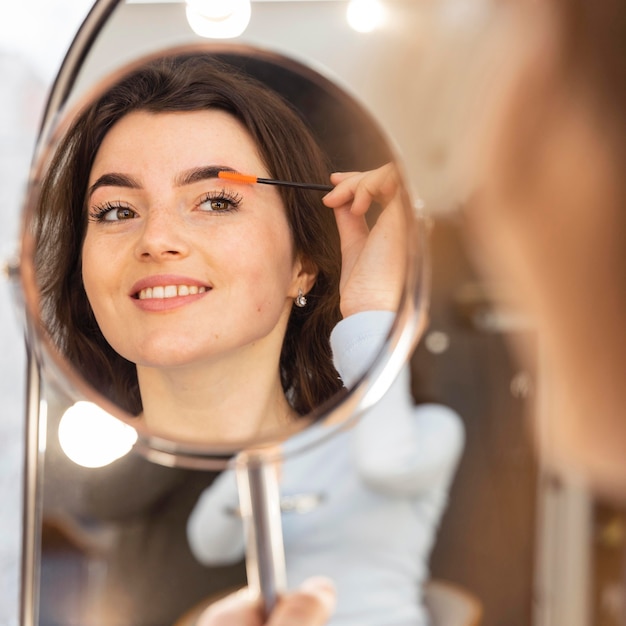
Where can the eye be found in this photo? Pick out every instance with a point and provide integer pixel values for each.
(219, 201)
(112, 212)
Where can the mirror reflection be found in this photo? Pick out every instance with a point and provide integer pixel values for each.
(216, 295)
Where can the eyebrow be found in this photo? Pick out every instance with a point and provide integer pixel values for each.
(198, 174)
(114, 179)
(188, 177)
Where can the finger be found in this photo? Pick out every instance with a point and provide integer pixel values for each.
(353, 230)
(241, 608)
(338, 177)
(311, 605)
(361, 188)
(344, 190)
(364, 195)
(380, 184)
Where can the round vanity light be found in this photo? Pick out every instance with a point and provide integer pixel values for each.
(364, 16)
(218, 19)
(90, 437)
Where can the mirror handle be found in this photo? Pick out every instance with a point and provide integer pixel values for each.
(259, 501)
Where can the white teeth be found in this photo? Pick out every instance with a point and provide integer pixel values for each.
(169, 291)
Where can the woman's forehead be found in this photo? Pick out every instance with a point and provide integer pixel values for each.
(176, 141)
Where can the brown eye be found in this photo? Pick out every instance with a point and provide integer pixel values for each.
(217, 204)
(112, 213)
(122, 213)
(221, 202)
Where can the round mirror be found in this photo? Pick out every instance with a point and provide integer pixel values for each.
(345, 130)
(265, 369)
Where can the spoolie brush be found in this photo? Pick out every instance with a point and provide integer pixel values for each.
(247, 178)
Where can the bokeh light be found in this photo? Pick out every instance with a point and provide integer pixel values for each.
(91, 437)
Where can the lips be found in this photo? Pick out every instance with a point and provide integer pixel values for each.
(167, 287)
(169, 291)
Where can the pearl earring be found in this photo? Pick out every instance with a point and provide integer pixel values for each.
(300, 299)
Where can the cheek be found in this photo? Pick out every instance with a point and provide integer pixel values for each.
(87, 272)
(96, 267)
(266, 258)
(266, 252)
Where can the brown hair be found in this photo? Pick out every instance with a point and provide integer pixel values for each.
(189, 82)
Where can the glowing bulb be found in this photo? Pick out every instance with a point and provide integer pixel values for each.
(91, 437)
(364, 16)
(218, 19)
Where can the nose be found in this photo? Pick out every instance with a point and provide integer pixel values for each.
(162, 236)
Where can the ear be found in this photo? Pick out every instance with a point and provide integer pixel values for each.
(304, 276)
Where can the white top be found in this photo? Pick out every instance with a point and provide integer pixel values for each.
(381, 488)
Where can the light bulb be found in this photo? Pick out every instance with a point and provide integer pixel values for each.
(92, 437)
(364, 16)
(218, 19)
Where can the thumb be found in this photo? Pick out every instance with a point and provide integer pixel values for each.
(311, 604)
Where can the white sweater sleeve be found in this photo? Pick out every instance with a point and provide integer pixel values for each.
(214, 528)
(400, 449)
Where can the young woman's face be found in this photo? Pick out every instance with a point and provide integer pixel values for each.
(180, 266)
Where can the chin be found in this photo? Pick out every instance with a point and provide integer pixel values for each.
(164, 352)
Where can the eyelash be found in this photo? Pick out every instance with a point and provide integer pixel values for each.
(99, 212)
(231, 198)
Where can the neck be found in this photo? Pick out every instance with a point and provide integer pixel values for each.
(223, 402)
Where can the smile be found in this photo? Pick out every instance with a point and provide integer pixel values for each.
(161, 292)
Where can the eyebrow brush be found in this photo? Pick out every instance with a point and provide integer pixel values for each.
(247, 178)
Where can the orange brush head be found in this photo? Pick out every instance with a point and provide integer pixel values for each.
(236, 176)
(247, 178)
